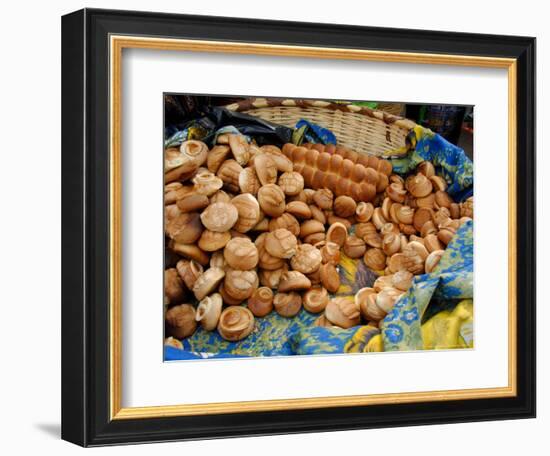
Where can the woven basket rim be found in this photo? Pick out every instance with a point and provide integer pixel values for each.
(257, 103)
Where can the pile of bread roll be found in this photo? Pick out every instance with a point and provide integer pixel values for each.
(251, 230)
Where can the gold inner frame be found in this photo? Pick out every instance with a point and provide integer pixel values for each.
(117, 44)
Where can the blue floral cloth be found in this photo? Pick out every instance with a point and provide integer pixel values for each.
(310, 132)
(452, 280)
(451, 161)
(272, 335)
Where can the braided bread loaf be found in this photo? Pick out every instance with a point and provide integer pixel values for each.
(341, 175)
(368, 161)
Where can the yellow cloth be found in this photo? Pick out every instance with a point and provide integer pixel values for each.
(445, 330)
(450, 329)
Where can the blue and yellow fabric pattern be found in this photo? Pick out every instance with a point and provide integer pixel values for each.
(450, 282)
(451, 161)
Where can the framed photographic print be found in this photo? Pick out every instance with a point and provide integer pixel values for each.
(275, 227)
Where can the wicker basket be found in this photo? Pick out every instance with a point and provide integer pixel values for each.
(359, 128)
(396, 109)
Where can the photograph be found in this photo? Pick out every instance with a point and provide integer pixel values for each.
(297, 226)
(269, 226)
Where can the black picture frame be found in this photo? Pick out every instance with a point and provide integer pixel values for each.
(85, 227)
